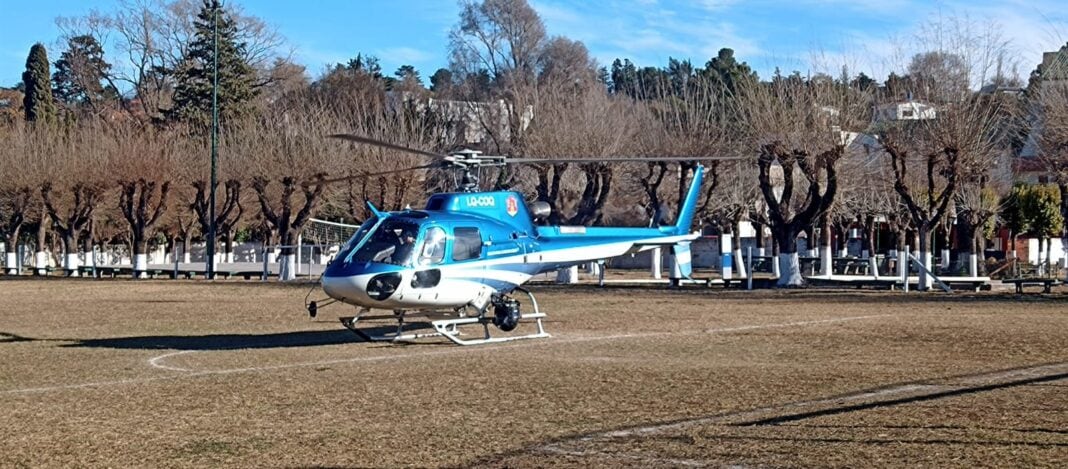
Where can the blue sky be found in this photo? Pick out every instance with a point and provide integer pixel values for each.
(805, 35)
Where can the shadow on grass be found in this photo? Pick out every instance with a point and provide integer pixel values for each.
(222, 341)
(233, 341)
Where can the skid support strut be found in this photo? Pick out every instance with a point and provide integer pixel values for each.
(448, 326)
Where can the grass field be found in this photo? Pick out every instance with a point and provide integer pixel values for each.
(179, 374)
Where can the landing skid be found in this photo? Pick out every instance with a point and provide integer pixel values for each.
(445, 326)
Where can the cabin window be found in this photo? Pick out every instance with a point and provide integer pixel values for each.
(433, 251)
(467, 244)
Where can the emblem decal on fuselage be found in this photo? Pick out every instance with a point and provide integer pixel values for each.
(512, 206)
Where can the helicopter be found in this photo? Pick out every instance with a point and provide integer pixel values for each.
(463, 258)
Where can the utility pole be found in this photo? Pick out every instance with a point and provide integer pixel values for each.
(210, 268)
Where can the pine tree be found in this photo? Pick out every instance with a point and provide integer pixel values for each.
(237, 79)
(37, 102)
(80, 74)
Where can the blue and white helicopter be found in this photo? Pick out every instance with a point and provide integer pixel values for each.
(460, 260)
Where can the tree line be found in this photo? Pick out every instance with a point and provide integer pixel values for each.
(105, 154)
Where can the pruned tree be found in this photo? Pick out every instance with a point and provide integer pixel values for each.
(932, 157)
(228, 212)
(798, 128)
(579, 123)
(71, 216)
(142, 203)
(18, 200)
(287, 159)
(1049, 127)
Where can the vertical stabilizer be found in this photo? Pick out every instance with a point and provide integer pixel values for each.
(689, 206)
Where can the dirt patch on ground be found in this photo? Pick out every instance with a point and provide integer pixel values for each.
(180, 374)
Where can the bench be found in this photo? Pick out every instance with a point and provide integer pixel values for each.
(975, 285)
(1046, 283)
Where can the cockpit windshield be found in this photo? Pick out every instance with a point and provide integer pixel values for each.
(392, 242)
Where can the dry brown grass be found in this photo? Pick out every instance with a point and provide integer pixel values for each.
(77, 388)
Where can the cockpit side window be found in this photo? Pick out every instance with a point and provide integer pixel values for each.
(357, 237)
(433, 251)
(467, 244)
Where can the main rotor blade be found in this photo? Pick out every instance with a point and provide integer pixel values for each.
(379, 143)
(621, 160)
(380, 173)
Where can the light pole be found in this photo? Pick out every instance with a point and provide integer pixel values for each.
(210, 268)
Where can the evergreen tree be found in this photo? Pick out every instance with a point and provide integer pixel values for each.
(38, 102)
(407, 72)
(81, 72)
(728, 71)
(624, 77)
(441, 80)
(237, 79)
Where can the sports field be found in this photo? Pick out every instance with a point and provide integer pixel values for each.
(183, 374)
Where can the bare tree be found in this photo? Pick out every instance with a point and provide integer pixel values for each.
(17, 186)
(798, 127)
(153, 36)
(1050, 127)
(228, 211)
(287, 159)
(931, 157)
(584, 123)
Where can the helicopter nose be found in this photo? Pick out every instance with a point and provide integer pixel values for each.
(344, 288)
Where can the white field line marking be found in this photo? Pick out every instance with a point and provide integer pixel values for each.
(155, 361)
(637, 457)
(892, 392)
(451, 351)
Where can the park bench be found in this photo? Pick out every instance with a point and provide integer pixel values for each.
(974, 285)
(1046, 283)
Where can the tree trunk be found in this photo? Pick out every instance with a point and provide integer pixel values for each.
(288, 257)
(966, 237)
(775, 271)
(40, 258)
(789, 265)
(11, 257)
(1013, 255)
(924, 242)
(739, 255)
(1063, 186)
(228, 247)
(140, 255)
(869, 244)
(759, 249)
(70, 248)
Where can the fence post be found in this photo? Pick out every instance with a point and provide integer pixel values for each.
(175, 261)
(903, 260)
(265, 267)
(300, 243)
(21, 258)
(749, 267)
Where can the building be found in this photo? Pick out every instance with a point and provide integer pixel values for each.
(909, 110)
(468, 123)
